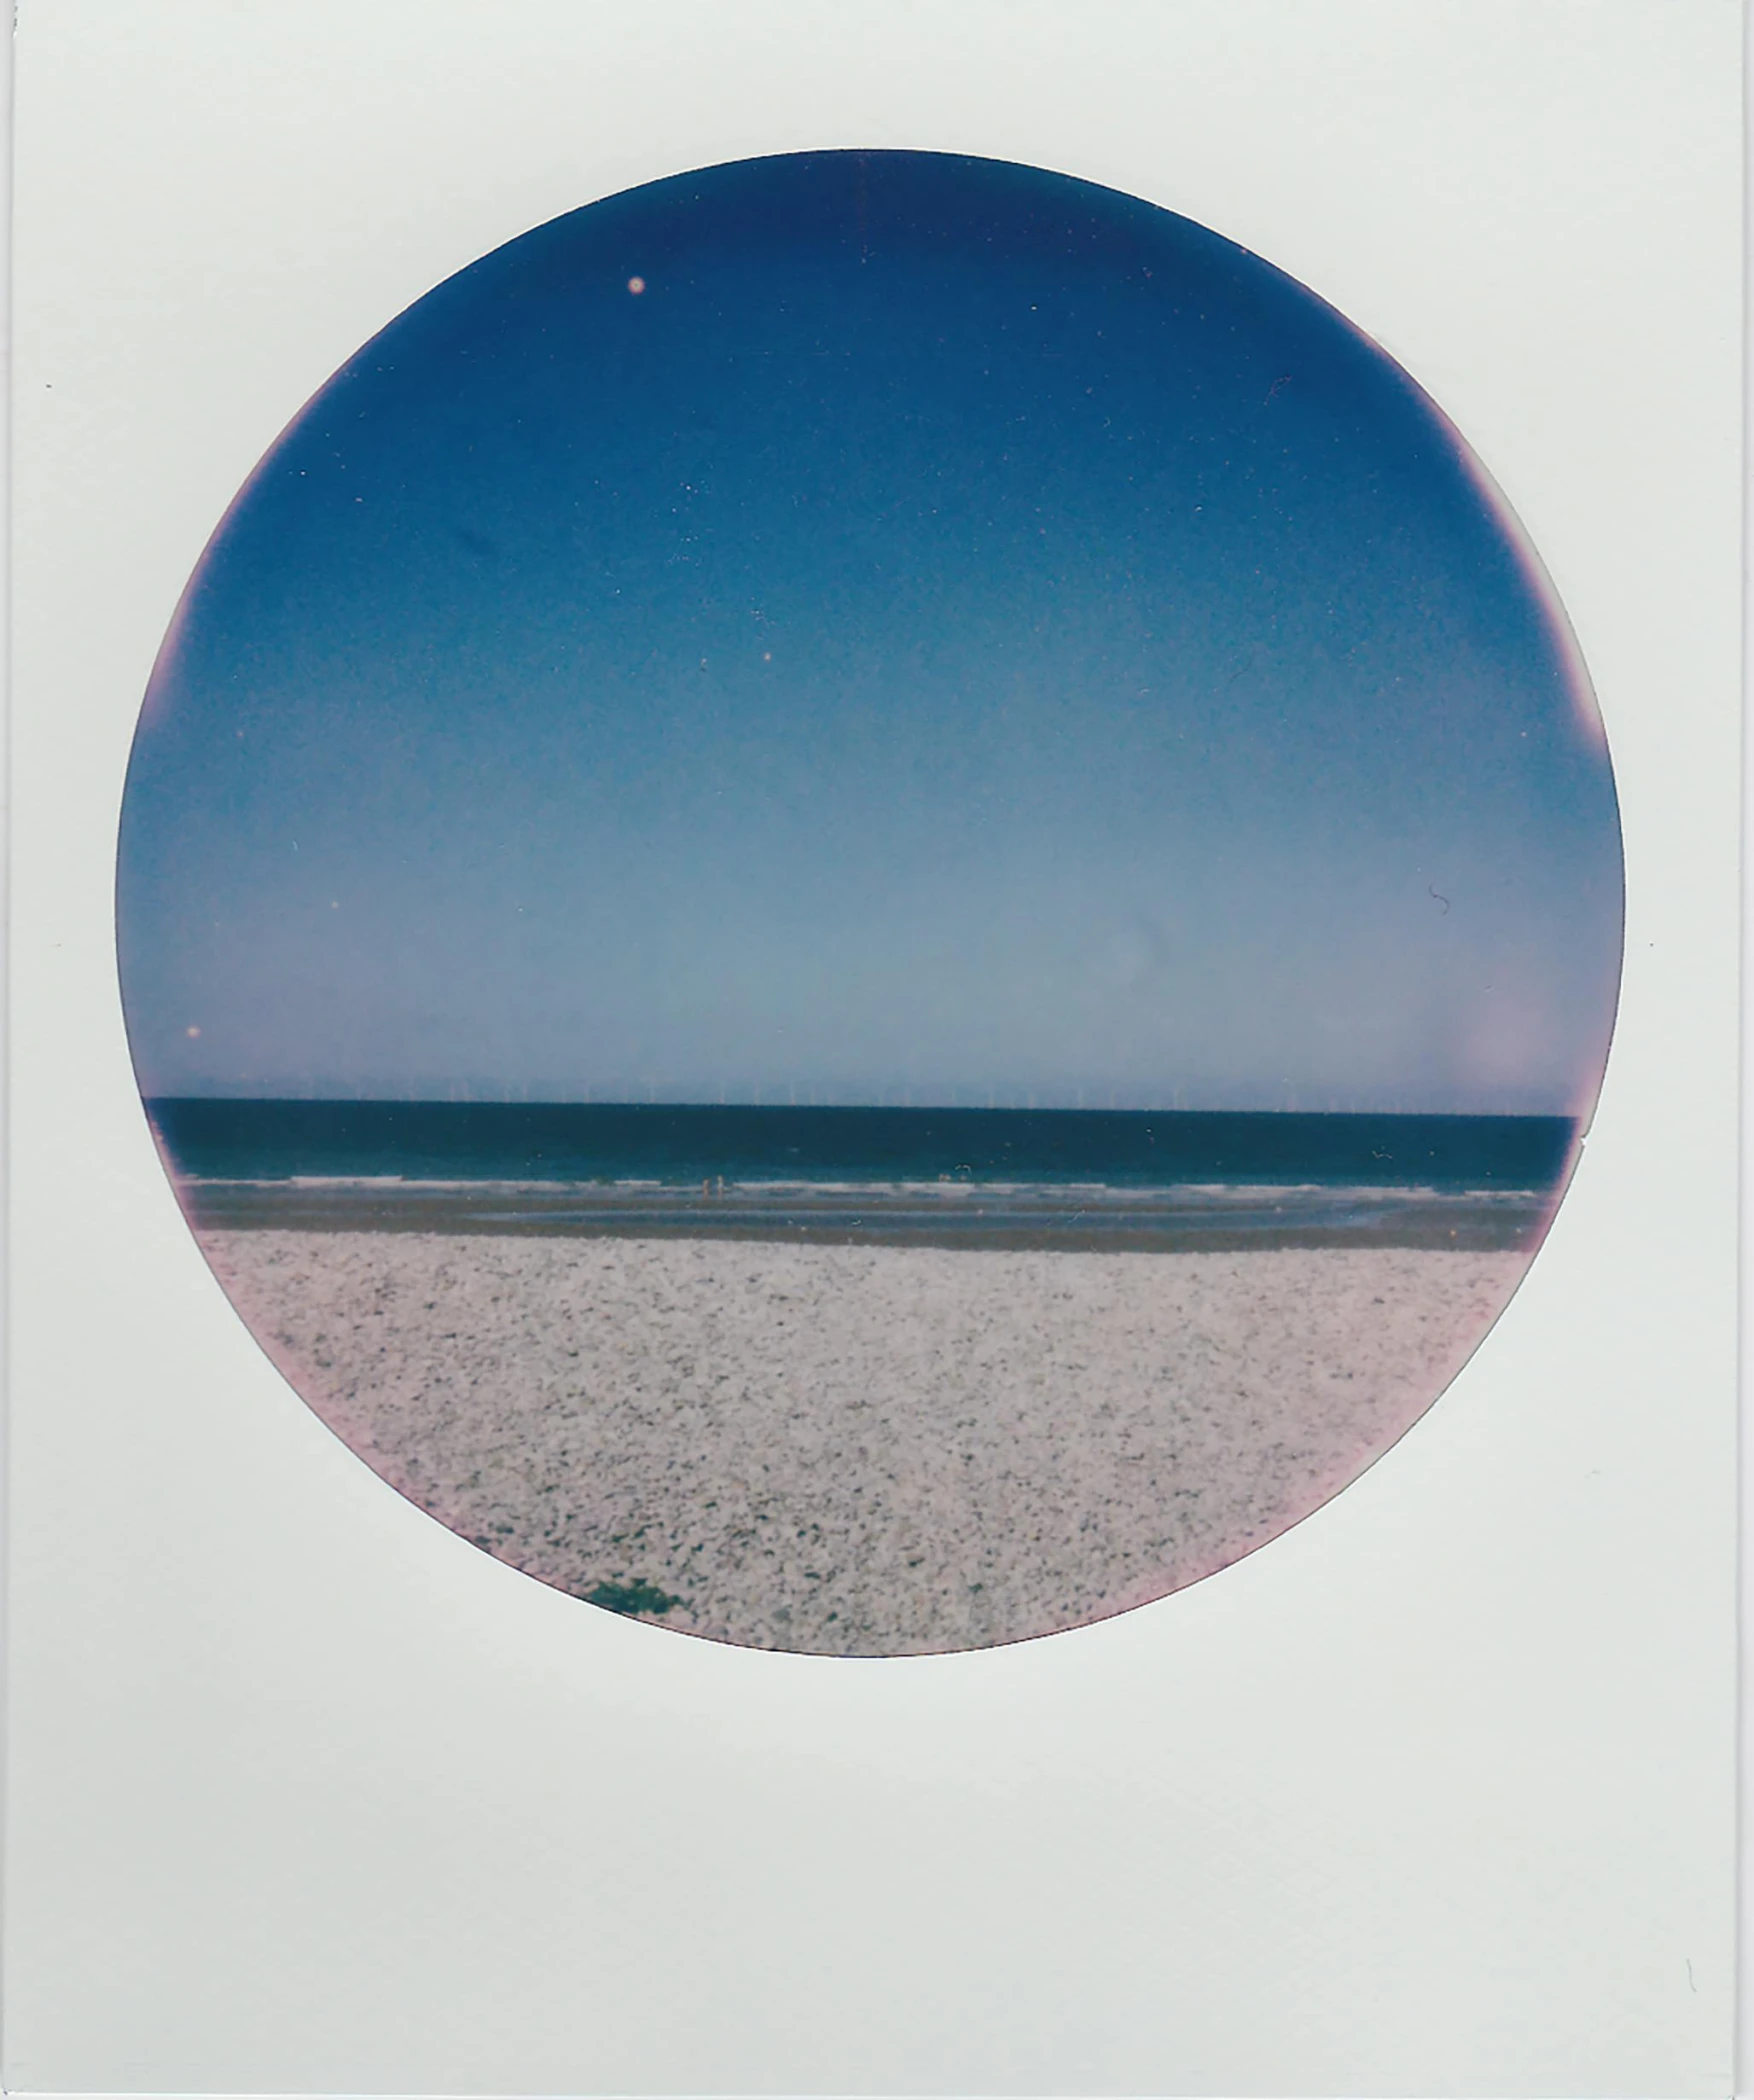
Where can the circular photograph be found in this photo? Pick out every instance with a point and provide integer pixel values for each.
(869, 903)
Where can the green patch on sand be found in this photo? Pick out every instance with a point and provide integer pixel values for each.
(637, 1597)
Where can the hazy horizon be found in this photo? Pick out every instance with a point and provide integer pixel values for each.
(462, 1093)
(866, 625)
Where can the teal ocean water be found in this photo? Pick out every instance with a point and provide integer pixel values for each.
(956, 1177)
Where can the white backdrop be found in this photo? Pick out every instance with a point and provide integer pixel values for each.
(1432, 1795)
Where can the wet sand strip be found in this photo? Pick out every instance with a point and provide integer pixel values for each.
(1044, 1219)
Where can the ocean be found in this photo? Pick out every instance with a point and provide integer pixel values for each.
(1114, 1179)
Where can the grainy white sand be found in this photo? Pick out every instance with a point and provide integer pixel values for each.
(860, 1450)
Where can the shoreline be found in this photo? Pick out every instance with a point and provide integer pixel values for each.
(1015, 1216)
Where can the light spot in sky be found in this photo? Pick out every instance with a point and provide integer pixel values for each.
(1128, 739)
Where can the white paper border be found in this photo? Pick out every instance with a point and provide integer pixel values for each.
(1431, 1795)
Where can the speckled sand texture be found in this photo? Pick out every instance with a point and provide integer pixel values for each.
(860, 1450)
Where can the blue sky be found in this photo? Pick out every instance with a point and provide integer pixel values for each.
(949, 633)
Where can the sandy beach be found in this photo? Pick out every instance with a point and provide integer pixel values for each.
(859, 1450)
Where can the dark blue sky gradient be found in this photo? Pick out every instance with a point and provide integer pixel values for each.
(958, 633)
